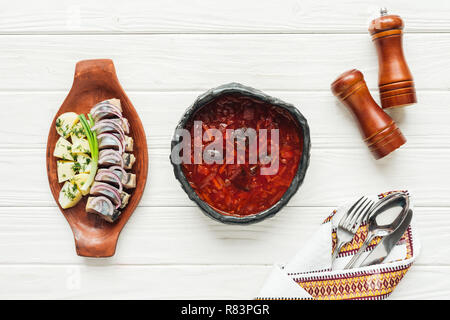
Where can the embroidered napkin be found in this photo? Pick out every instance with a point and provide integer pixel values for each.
(311, 274)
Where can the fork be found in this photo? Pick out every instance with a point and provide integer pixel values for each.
(350, 222)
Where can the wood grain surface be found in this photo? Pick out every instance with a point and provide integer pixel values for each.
(167, 53)
(263, 16)
(181, 62)
(380, 133)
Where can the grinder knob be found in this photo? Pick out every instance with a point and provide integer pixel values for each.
(396, 83)
(378, 130)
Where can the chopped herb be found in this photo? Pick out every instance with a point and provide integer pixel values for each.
(69, 194)
(76, 167)
(78, 131)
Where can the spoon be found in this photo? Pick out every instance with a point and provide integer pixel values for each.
(382, 230)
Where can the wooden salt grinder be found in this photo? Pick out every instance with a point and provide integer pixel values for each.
(379, 131)
(395, 80)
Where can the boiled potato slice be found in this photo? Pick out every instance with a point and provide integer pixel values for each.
(80, 179)
(65, 123)
(63, 149)
(77, 131)
(66, 170)
(69, 195)
(80, 145)
(83, 163)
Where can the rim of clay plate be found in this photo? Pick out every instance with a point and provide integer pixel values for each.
(207, 97)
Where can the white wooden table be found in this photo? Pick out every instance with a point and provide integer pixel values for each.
(168, 52)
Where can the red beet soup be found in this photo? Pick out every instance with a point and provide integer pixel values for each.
(240, 188)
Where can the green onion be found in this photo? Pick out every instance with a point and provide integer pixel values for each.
(93, 146)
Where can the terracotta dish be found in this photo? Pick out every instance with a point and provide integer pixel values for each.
(95, 81)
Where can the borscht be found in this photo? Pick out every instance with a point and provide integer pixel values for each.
(257, 148)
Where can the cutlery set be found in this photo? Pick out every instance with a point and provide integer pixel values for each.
(365, 211)
(376, 245)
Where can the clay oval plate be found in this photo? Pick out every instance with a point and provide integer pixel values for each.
(95, 81)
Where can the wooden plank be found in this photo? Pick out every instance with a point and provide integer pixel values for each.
(130, 282)
(175, 282)
(53, 16)
(163, 235)
(197, 62)
(425, 125)
(333, 175)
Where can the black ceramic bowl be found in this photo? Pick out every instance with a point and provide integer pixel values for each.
(255, 94)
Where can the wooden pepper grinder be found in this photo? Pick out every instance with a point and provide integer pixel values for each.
(395, 80)
(379, 131)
